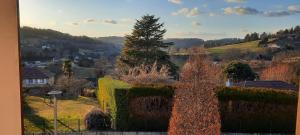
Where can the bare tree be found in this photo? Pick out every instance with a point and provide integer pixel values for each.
(195, 109)
(70, 85)
(148, 75)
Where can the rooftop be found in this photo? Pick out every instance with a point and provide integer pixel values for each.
(267, 84)
(34, 73)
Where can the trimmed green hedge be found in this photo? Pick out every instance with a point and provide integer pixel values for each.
(258, 95)
(128, 121)
(106, 94)
(251, 110)
(242, 109)
(115, 97)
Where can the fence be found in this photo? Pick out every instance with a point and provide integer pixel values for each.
(35, 125)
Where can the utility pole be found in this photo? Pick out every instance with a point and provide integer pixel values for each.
(54, 93)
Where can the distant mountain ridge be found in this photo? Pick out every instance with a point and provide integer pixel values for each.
(178, 42)
(47, 43)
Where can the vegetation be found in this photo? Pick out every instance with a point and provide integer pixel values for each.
(148, 75)
(97, 120)
(237, 71)
(67, 68)
(106, 94)
(258, 110)
(136, 108)
(251, 37)
(258, 95)
(145, 46)
(251, 46)
(195, 109)
(221, 42)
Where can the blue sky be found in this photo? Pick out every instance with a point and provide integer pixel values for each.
(206, 19)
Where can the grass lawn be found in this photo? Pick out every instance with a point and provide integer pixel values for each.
(38, 113)
(252, 46)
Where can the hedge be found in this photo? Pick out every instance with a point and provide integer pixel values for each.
(117, 96)
(252, 110)
(249, 110)
(258, 95)
(106, 94)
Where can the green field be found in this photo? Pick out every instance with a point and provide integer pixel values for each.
(251, 46)
(38, 113)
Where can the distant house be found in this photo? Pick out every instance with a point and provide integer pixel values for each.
(35, 77)
(280, 85)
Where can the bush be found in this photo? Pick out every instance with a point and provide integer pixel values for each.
(238, 71)
(97, 120)
(257, 110)
(258, 95)
(89, 92)
(135, 108)
(148, 75)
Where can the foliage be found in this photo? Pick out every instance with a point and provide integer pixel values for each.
(258, 95)
(148, 75)
(106, 94)
(145, 46)
(238, 71)
(97, 120)
(195, 109)
(89, 92)
(221, 42)
(281, 72)
(67, 68)
(251, 37)
(70, 86)
(251, 46)
(125, 105)
(257, 110)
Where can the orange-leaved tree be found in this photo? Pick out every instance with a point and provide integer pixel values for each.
(195, 110)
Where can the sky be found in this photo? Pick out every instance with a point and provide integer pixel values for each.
(205, 19)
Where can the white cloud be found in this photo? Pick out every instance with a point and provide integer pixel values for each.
(73, 23)
(235, 1)
(196, 24)
(110, 21)
(241, 11)
(90, 20)
(127, 20)
(276, 13)
(175, 1)
(294, 8)
(187, 12)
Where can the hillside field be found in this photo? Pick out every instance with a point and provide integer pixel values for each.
(251, 46)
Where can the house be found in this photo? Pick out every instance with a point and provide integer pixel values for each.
(35, 77)
(280, 85)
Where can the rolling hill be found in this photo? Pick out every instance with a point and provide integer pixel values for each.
(251, 46)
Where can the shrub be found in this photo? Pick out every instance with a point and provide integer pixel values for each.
(135, 108)
(97, 120)
(148, 75)
(258, 95)
(239, 71)
(257, 110)
(89, 92)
